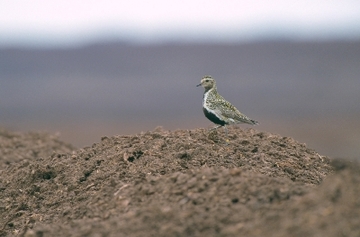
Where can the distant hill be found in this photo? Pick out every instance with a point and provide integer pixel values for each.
(307, 90)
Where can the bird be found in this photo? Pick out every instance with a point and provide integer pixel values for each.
(217, 109)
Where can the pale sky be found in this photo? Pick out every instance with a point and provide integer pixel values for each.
(68, 22)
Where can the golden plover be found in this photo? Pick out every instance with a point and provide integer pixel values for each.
(217, 109)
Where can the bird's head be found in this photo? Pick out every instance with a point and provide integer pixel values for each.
(207, 82)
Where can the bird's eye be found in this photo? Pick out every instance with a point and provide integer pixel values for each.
(206, 80)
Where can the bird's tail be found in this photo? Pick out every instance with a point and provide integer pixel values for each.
(248, 121)
(254, 122)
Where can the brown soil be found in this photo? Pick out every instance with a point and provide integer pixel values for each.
(175, 183)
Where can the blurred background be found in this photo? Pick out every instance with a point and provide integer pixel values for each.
(87, 69)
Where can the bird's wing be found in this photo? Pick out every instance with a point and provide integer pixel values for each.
(233, 115)
(241, 118)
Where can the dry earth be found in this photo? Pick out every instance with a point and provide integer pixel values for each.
(175, 183)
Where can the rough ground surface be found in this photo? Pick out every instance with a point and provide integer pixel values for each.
(175, 183)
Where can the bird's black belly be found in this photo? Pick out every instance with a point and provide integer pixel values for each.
(213, 118)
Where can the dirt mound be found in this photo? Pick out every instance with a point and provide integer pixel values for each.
(28, 146)
(179, 183)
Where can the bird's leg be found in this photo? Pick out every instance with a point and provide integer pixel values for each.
(227, 136)
(215, 128)
(226, 131)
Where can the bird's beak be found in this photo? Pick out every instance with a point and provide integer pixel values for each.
(198, 85)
